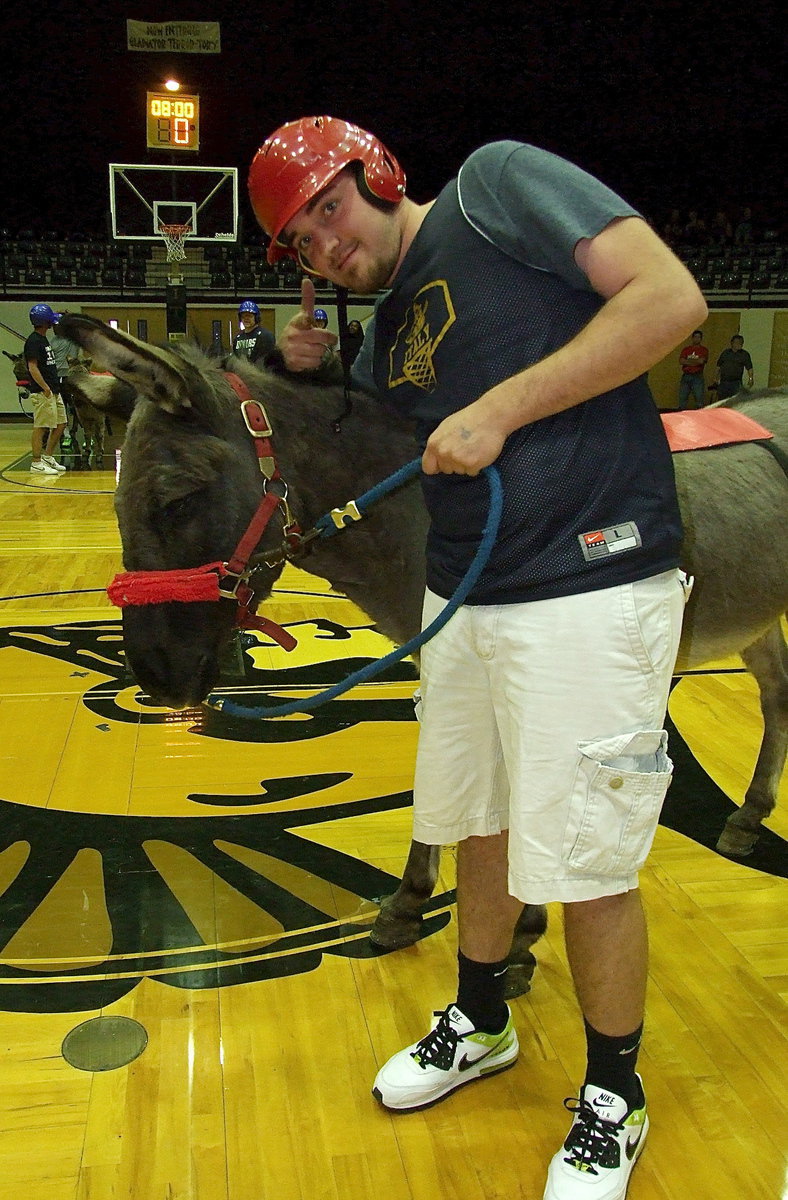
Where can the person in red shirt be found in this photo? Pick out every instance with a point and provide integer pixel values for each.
(693, 359)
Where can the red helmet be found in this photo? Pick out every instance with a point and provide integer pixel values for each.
(301, 158)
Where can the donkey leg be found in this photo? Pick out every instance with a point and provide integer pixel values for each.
(767, 659)
(529, 928)
(399, 921)
(94, 443)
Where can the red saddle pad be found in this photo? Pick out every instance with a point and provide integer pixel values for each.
(698, 429)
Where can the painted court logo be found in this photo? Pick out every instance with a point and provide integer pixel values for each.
(215, 875)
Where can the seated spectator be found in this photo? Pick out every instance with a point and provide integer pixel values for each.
(673, 231)
(743, 233)
(721, 230)
(695, 232)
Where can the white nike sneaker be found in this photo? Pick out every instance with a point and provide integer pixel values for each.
(42, 468)
(603, 1145)
(452, 1054)
(52, 462)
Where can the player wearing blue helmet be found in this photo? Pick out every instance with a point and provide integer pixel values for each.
(41, 315)
(252, 340)
(321, 318)
(48, 409)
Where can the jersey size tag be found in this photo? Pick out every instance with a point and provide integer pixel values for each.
(600, 543)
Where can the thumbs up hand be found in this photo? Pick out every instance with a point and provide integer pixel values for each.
(303, 345)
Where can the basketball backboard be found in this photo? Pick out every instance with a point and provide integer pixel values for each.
(143, 197)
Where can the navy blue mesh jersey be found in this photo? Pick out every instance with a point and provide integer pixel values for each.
(488, 287)
(255, 343)
(38, 349)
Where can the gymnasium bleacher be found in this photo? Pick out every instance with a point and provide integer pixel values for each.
(752, 273)
(85, 265)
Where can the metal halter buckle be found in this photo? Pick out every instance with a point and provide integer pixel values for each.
(230, 591)
(255, 431)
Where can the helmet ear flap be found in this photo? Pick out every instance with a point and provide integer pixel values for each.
(366, 189)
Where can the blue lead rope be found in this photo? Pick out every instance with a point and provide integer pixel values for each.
(340, 518)
(372, 669)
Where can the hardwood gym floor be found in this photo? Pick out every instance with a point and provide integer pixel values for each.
(201, 889)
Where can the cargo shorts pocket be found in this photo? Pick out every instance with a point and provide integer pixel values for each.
(619, 787)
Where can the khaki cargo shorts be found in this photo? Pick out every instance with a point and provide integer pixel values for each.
(48, 412)
(546, 719)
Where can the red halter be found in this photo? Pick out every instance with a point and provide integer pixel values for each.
(208, 582)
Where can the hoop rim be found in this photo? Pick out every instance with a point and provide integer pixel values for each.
(174, 229)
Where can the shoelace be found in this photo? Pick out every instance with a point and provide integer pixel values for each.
(438, 1048)
(591, 1139)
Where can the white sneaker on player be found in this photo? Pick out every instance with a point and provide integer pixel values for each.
(42, 468)
(52, 462)
(604, 1143)
(452, 1054)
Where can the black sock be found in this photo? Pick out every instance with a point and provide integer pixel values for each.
(612, 1062)
(481, 991)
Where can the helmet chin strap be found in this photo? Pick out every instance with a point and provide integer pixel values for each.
(344, 354)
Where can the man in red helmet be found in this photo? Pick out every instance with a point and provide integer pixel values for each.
(542, 751)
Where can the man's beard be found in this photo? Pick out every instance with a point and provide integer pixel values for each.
(372, 275)
(370, 278)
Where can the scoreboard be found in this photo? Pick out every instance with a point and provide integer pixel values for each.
(172, 121)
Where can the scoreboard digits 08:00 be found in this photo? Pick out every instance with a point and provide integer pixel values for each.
(173, 121)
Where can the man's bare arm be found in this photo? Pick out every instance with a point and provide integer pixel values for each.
(36, 375)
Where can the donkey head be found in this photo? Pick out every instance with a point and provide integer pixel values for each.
(188, 487)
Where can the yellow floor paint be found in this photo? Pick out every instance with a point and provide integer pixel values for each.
(155, 866)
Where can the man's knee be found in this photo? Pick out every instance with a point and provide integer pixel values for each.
(602, 905)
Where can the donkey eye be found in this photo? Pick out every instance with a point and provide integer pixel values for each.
(175, 510)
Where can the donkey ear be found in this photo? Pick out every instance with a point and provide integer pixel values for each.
(157, 374)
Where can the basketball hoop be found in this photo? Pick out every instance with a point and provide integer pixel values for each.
(174, 240)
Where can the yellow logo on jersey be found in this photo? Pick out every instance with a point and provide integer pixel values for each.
(427, 321)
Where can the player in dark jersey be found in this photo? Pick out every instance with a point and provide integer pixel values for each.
(252, 340)
(505, 303)
(48, 410)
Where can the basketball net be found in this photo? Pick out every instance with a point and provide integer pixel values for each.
(174, 240)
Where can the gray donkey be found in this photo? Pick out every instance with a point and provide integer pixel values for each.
(92, 420)
(190, 483)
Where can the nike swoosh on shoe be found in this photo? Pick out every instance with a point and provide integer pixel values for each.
(466, 1063)
(631, 1146)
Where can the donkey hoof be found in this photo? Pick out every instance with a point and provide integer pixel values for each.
(736, 842)
(519, 976)
(392, 932)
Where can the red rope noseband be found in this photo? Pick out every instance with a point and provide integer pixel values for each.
(154, 587)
